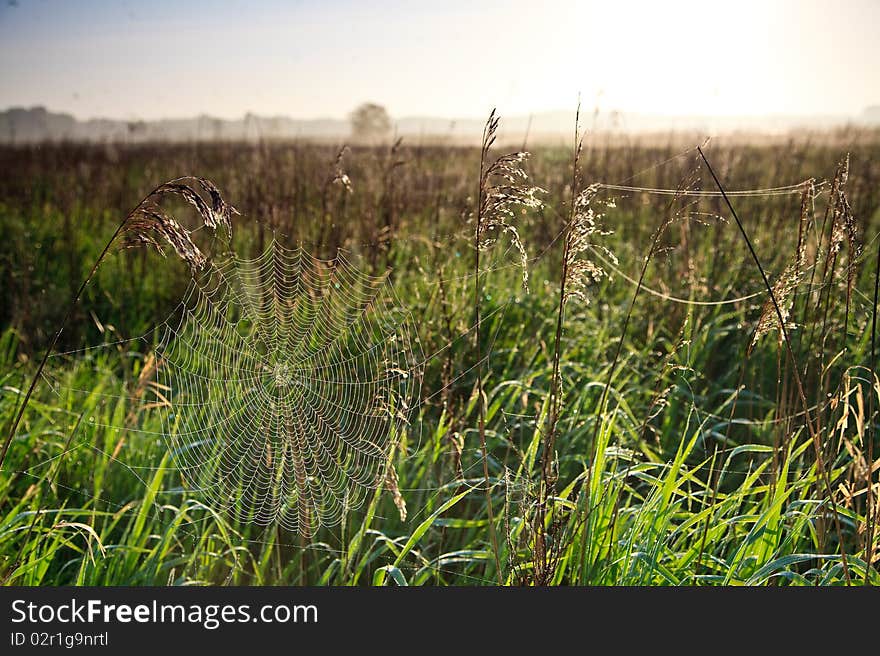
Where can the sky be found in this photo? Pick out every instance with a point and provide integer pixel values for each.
(148, 60)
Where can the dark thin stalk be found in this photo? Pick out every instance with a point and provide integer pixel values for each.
(481, 407)
(817, 443)
(547, 483)
(869, 528)
(821, 283)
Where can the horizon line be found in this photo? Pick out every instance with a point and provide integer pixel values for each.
(517, 115)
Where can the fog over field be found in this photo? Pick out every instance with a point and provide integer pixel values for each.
(37, 124)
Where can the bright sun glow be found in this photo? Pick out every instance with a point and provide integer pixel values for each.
(453, 59)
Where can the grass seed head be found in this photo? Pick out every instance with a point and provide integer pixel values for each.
(581, 271)
(504, 189)
(151, 225)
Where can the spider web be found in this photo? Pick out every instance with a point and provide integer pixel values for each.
(284, 383)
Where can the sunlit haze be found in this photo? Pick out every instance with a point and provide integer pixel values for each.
(453, 59)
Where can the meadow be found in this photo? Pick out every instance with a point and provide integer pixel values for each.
(634, 415)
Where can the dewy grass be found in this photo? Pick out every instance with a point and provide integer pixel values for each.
(699, 469)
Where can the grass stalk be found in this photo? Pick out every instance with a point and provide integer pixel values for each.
(478, 292)
(817, 443)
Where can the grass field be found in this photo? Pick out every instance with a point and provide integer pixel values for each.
(658, 431)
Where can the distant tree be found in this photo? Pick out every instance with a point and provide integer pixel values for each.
(370, 122)
(136, 130)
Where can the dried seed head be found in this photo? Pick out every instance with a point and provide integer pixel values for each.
(338, 176)
(843, 170)
(504, 190)
(808, 199)
(853, 240)
(783, 293)
(581, 272)
(150, 225)
(214, 215)
(844, 226)
(392, 484)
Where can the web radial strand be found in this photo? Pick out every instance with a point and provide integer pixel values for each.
(287, 379)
